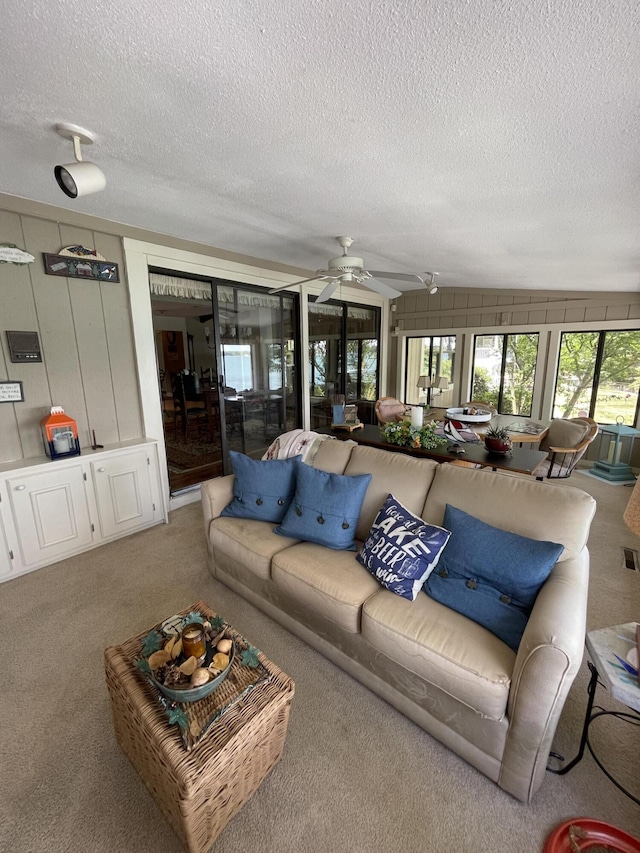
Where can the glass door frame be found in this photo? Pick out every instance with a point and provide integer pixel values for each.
(344, 338)
(218, 343)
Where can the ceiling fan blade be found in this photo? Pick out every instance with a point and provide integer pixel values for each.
(381, 288)
(397, 276)
(328, 292)
(296, 283)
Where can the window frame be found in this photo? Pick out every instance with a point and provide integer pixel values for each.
(597, 367)
(503, 363)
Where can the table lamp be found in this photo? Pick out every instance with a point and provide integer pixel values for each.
(425, 384)
(442, 384)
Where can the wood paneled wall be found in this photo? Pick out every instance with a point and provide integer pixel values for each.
(455, 308)
(84, 327)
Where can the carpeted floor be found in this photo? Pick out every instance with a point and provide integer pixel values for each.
(356, 775)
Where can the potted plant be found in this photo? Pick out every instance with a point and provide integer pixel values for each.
(497, 440)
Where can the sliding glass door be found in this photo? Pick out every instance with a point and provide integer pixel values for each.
(336, 329)
(258, 383)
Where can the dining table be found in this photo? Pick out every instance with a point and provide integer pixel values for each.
(522, 430)
(518, 460)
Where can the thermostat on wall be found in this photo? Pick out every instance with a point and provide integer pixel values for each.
(24, 346)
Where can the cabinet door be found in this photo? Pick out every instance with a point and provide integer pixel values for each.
(5, 559)
(50, 513)
(122, 485)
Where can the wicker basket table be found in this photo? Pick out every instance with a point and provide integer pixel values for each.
(199, 790)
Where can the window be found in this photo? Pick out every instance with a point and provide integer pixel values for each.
(504, 368)
(433, 357)
(236, 359)
(598, 376)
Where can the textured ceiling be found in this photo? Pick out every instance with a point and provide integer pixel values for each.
(494, 141)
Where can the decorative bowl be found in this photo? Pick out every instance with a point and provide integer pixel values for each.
(482, 417)
(193, 694)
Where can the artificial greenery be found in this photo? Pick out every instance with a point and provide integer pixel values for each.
(405, 435)
(151, 643)
(250, 657)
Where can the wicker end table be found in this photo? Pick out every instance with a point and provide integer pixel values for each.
(198, 790)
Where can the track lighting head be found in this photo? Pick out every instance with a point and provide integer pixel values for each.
(430, 282)
(81, 177)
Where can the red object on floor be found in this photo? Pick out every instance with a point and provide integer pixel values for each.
(585, 833)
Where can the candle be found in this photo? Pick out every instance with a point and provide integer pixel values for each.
(193, 642)
(416, 416)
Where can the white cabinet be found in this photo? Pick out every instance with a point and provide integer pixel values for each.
(51, 510)
(5, 553)
(122, 486)
(51, 513)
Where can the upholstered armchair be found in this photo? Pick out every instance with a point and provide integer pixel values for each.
(566, 442)
(390, 410)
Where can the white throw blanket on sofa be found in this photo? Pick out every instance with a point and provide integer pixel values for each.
(298, 442)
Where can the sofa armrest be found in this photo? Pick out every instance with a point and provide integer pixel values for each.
(547, 662)
(215, 495)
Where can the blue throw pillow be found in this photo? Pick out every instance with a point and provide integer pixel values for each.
(490, 575)
(262, 490)
(402, 550)
(325, 508)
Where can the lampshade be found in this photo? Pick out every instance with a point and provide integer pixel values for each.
(632, 512)
(424, 382)
(443, 383)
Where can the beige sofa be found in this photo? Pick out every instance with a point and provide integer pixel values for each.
(495, 708)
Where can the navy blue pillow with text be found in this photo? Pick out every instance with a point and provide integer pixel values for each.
(402, 550)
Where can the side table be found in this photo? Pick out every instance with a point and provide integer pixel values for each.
(198, 790)
(605, 647)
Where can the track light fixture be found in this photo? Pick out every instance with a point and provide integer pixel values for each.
(430, 282)
(81, 177)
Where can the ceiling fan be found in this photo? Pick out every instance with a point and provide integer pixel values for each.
(348, 268)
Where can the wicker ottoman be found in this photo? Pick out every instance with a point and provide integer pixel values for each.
(199, 790)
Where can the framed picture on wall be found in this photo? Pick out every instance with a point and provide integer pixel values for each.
(11, 392)
(80, 268)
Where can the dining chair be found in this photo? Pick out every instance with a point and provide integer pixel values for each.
(566, 441)
(188, 402)
(479, 404)
(390, 410)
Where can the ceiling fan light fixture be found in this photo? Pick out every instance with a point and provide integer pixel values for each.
(349, 268)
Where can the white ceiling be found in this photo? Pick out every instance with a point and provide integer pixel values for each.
(496, 142)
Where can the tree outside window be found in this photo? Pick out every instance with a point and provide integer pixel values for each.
(504, 368)
(598, 376)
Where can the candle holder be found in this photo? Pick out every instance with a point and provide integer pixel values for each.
(193, 641)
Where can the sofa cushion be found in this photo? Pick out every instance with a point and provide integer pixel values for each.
(247, 542)
(491, 575)
(442, 647)
(332, 583)
(392, 472)
(325, 508)
(401, 549)
(332, 456)
(262, 490)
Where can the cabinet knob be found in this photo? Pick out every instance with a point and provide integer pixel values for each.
(20, 488)
(101, 469)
